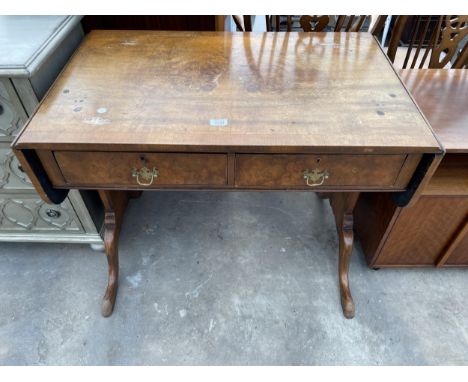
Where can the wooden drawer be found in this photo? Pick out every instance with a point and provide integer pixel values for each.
(287, 171)
(117, 169)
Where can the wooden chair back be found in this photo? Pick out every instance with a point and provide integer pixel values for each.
(353, 23)
(309, 23)
(269, 23)
(434, 41)
(244, 24)
(314, 23)
(317, 23)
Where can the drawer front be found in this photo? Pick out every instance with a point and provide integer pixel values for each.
(26, 213)
(12, 114)
(142, 170)
(317, 171)
(12, 175)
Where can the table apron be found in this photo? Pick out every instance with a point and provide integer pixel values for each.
(150, 170)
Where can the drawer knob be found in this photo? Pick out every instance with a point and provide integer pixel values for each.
(315, 177)
(144, 176)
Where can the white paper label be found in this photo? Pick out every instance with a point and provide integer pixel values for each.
(219, 122)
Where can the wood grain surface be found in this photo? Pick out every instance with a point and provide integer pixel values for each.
(458, 255)
(451, 177)
(254, 92)
(114, 169)
(423, 231)
(432, 231)
(442, 96)
(260, 170)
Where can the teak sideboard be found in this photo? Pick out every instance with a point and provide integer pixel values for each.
(434, 230)
(221, 111)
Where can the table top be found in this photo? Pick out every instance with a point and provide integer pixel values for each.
(442, 95)
(26, 41)
(213, 91)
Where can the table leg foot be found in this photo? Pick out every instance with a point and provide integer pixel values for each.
(115, 203)
(343, 205)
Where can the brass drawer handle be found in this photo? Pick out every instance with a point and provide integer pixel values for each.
(315, 177)
(146, 174)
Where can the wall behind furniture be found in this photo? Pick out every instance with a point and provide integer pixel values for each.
(176, 22)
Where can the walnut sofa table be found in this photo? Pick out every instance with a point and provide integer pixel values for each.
(228, 111)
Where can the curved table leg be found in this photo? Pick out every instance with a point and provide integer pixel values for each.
(345, 234)
(343, 205)
(111, 244)
(115, 203)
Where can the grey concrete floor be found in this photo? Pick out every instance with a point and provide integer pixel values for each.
(225, 278)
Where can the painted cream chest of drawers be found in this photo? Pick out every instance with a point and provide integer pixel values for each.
(33, 51)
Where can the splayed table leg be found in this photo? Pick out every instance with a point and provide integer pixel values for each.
(115, 203)
(343, 205)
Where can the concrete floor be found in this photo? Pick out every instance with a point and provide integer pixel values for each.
(225, 278)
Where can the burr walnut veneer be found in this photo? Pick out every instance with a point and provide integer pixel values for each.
(140, 110)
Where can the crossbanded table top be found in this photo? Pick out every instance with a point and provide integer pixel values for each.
(213, 91)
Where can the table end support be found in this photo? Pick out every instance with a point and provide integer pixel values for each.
(343, 205)
(111, 246)
(115, 203)
(346, 237)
